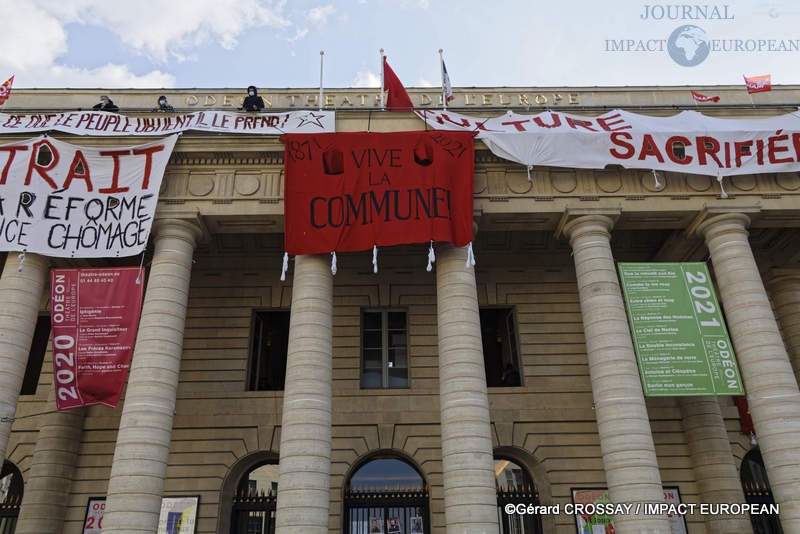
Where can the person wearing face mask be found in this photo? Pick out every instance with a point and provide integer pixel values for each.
(163, 105)
(105, 104)
(252, 101)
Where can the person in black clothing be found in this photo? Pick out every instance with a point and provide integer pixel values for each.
(252, 101)
(105, 104)
(163, 105)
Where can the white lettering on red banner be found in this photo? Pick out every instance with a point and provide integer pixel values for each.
(103, 123)
(63, 200)
(688, 142)
(94, 314)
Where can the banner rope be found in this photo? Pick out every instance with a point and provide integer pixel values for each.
(21, 261)
(655, 177)
(431, 258)
(139, 275)
(470, 257)
(722, 194)
(530, 167)
(333, 263)
(375, 259)
(285, 266)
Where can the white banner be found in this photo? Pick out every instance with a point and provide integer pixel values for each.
(688, 142)
(64, 200)
(105, 123)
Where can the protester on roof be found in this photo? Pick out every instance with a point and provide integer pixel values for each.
(253, 102)
(105, 104)
(164, 106)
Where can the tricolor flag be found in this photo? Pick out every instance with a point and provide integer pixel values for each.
(447, 89)
(758, 84)
(699, 97)
(397, 98)
(5, 90)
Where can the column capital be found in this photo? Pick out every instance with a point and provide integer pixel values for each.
(709, 222)
(571, 215)
(188, 229)
(587, 224)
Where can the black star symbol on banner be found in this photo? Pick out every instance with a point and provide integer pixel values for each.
(315, 120)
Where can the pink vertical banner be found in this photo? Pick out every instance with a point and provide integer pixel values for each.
(94, 315)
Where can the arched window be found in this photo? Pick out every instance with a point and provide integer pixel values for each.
(253, 509)
(11, 487)
(515, 486)
(757, 491)
(386, 495)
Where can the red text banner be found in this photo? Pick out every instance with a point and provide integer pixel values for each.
(64, 200)
(688, 142)
(102, 123)
(94, 314)
(350, 191)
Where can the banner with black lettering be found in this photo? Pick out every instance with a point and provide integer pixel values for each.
(688, 142)
(64, 200)
(350, 191)
(94, 315)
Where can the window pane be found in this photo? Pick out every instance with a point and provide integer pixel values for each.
(372, 359)
(398, 377)
(397, 320)
(398, 357)
(269, 345)
(372, 320)
(372, 340)
(500, 351)
(371, 378)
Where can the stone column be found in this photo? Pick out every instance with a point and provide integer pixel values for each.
(714, 466)
(145, 429)
(712, 461)
(626, 441)
(784, 286)
(772, 390)
(47, 488)
(20, 297)
(470, 498)
(305, 450)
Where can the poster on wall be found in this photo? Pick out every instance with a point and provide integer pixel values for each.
(93, 521)
(681, 342)
(347, 192)
(68, 201)
(596, 523)
(375, 525)
(178, 515)
(94, 316)
(416, 525)
(393, 525)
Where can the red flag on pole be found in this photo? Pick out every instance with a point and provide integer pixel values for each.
(5, 90)
(397, 98)
(758, 84)
(699, 97)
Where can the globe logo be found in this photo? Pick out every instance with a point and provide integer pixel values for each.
(688, 46)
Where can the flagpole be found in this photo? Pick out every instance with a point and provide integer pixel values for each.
(441, 69)
(382, 106)
(321, 57)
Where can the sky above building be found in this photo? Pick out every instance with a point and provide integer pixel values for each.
(275, 44)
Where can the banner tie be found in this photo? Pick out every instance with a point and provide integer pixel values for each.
(285, 266)
(431, 258)
(139, 275)
(21, 261)
(722, 194)
(470, 257)
(333, 262)
(529, 173)
(655, 177)
(375, 259)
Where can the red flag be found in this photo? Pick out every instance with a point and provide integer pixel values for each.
(758, 84)
(5, 90)
(397, 98)
(699, 97)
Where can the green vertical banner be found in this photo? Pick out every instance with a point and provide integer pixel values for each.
(681, 342)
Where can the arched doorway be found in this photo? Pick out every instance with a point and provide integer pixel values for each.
(11, 487)
(253, 508)
(386, 494)
(757, 491)
(515, 486)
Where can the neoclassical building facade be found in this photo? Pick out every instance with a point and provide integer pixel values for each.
(408, 399)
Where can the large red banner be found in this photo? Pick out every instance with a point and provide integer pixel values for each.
(94, 315)
(350, 191)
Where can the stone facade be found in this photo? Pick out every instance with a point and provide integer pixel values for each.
(216, 258)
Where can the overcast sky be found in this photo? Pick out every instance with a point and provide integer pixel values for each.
(275, 44)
